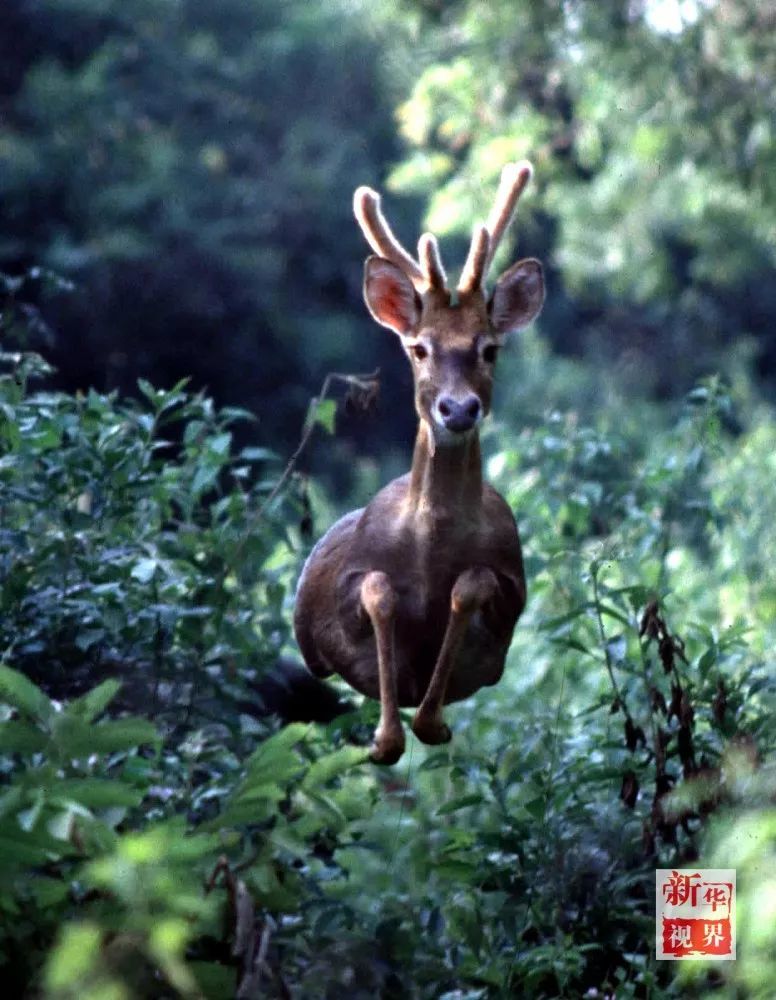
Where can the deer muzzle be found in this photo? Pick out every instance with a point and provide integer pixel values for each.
(458, 415)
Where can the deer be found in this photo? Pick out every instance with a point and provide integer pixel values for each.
(413, 599)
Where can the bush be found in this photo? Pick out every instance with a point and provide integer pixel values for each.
(160, 836)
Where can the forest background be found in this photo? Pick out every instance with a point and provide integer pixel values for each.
(180, 273)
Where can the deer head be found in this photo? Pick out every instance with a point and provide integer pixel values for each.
(452, 345)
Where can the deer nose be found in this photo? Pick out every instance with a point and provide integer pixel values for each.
(459, 415)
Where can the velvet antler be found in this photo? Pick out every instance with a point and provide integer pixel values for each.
(366, 206)
(425, 273)
(486, 239)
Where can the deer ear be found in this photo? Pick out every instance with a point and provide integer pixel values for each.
(518, 296)
(390, 296)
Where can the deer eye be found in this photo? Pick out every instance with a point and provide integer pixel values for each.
(419, 352)
(490, 353)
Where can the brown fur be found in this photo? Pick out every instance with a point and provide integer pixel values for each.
(413, 599)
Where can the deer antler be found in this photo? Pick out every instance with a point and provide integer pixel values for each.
(426, 274)
(431, 262)
(473, 273)
(366, 205)
(486, 239)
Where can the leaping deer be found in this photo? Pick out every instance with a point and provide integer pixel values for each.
(413, 599)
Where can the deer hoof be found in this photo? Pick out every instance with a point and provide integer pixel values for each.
(431, 730)
(386, 749)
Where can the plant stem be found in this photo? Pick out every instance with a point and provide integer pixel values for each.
(604, 643)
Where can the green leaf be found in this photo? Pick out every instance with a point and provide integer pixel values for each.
(234, 413)
(568, 642)
(607, 609)
(11, 800)
(89, 637)
(455, 870)
(462, 802)
(275, 751)
(435, 760)
(706, 661)
(49, 891)
(258, 455)
(16, 852)
(96, 793)
(322, 412)
(144, 569)
(148, 390)
(74, 958)
(28, 818)
(204, 478)
(242, 813)
(94, 702)
(20, 737)
(552, 623)
(269, 791)
(219, 444)
(74, 738)
(123, 734)
(333, 764)
(536, 807)
(19, 691)
(334, 814)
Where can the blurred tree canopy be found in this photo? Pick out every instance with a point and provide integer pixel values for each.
(191, 169)
(190, 166)
(652, 138)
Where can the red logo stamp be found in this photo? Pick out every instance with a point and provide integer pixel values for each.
(696, 913)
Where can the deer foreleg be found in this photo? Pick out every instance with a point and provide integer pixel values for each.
(379, 601)
(473, 589)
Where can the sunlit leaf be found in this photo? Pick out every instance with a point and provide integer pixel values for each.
(323, 412)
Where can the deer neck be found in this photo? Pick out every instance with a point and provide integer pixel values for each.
(445, 480)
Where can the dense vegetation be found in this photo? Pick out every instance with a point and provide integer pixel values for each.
(175, 202)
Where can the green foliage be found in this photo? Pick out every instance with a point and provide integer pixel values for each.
(191, 170)
(190, 166)
(156, 836)
(654, 202)
(119, 559)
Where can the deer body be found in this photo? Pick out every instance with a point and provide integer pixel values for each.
(413, 599)
(337, 637)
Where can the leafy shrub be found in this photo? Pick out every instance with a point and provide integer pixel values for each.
(130, 553)
(159, 837)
